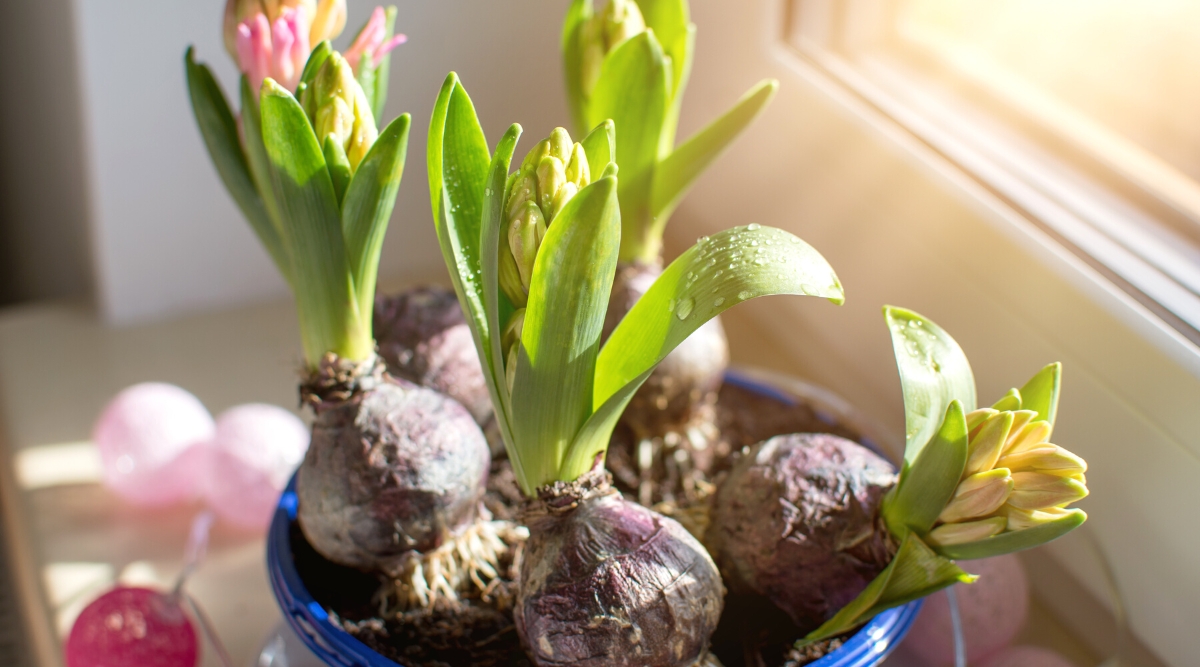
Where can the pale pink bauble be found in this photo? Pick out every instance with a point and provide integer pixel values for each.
(143, 436)
(132, 626)
(993, 611)
(255, 450)
(1028, 656)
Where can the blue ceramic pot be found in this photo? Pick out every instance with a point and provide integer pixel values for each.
(866, 648)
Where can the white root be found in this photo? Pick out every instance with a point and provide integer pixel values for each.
(469, 559)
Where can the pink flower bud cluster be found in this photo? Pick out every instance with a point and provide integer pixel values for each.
(276, 49)
(372, 42)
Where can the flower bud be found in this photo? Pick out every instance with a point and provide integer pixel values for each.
(1033, 434)
(976, 418)
(337, 106)
(621, 20)
(577, 168)
(962, 533)
(1046, 458)
(525, 233)
(1021, 519)
(510, 278)
(978, 495)
(551, 175)
(1036, 490)
(329, 20)
(985, 447)
(372, 41)
(565, 194)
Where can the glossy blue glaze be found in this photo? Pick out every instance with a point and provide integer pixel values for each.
(866, 648)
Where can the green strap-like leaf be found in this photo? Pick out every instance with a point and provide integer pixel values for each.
(1018, 540)
(490, 235)
(679, 171)
(681, 71)
(572, 53)
(260, 168)
(367, 209)
(670, 20)
(458, 160)
(220, 134)
(933, 372)
(916, 571)
(929, 483)
(568, 295)
(324, 293)
(710, 277)
(600, 146)
(633, 91)
(1040, 394)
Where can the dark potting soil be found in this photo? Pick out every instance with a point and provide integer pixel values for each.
(752, 632)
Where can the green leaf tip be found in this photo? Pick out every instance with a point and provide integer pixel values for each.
(933, 372)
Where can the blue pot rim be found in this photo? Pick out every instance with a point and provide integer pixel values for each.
(329, 642)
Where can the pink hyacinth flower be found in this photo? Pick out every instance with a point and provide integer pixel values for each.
(371, 41)
(277, 50)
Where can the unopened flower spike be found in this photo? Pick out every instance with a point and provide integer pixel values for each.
(339, 111)
(975, 483)
(325, 19)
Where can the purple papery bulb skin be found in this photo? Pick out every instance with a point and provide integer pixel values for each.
(424, 338)
(609, 583)
(797, 521)
(391, 469)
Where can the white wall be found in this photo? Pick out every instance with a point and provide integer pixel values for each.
(167, 238)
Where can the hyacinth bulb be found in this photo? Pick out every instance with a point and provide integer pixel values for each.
(1027, 656)
(146, 437)
(132, 626)
(993, 610)
(254, 451)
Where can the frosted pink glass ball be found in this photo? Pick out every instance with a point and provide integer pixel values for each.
(132, 626)
(145, 435)
(1028, 656)
(254, 451)
(993, 611)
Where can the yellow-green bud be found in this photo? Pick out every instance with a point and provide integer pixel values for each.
(525, 234)
(962, 533)
(551, 175)
(976, 418)
(985, 446)
(336, 105)
(1034, 434)
(578, 171)
(978, 495)
(1046, 458)
(621, 20)
(1036, 490)
(1022, 519)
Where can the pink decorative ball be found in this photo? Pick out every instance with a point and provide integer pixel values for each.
(145, 437)
(993, 610)
(132, 626)
(255, 450)
(1028, 656)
